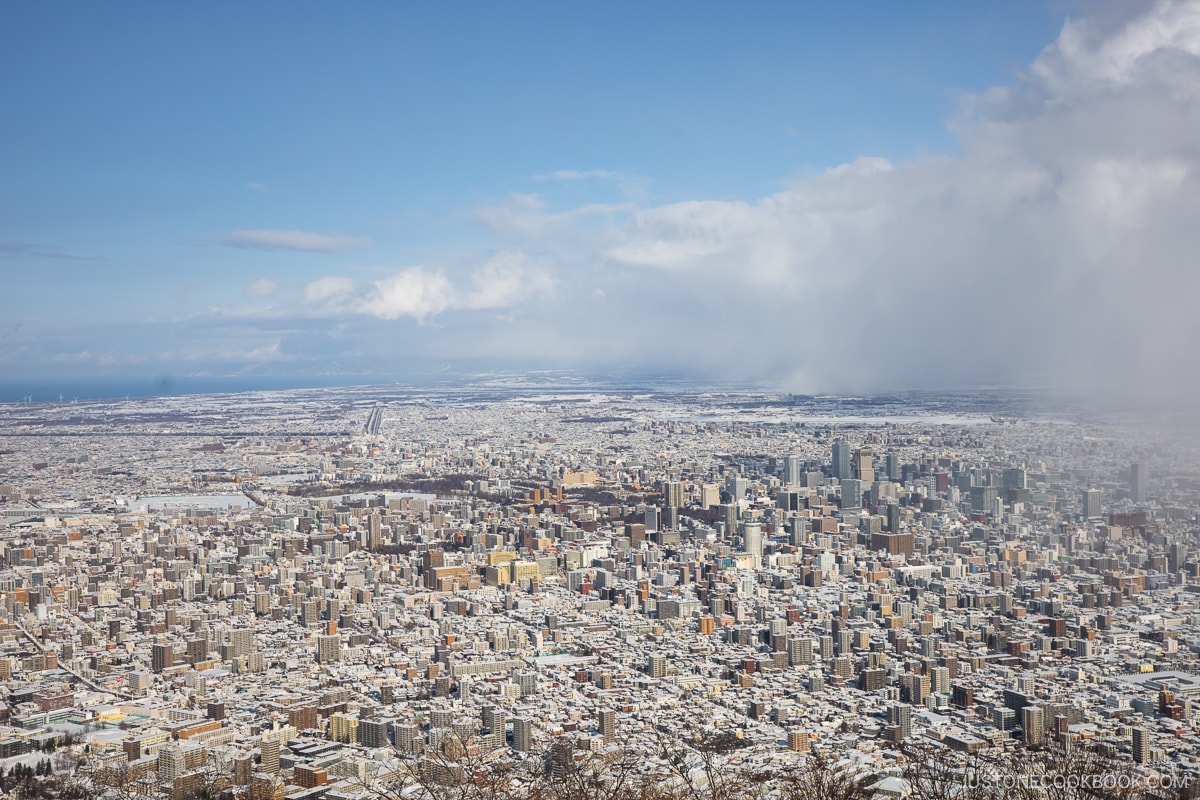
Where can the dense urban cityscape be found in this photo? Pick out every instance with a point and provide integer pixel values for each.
(376, 592)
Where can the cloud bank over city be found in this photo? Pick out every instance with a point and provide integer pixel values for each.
(1058, 244)
(1054, 243)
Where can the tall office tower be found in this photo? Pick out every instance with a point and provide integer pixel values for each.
(608, 724)
(729, 516)
(1014, 478)
(792, 470)
(670, 518)
(1141, 745)
(892, 464)
(1137, 482)
(737, 486)
(863, 466)
(652, 513)
(900, 715)
(374, 531)
(268, 749)
(329, 648)
(852, 493)
(1090, 503)
(522, 734)
(162, 656)
(841, 459)
(673, 494)
(1033, 725)
(752, 542)
(710, 495)
(262, 604)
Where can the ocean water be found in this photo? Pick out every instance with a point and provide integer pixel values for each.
(49, 391)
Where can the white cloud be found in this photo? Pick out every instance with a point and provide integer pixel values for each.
(1059, 245)
(302, 241)
(526, 214)
(504, 281)
(329, 290)
(577, 175)
(412, 292)
(256, 187)
(263, 287)
(71, 358)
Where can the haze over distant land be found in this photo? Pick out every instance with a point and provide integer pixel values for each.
(821, 200)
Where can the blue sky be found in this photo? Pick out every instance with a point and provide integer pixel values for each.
(305, 188)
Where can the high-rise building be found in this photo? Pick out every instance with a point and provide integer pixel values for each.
(374, 531)
(939, 680)
(798, 741)
(408, 737)
(268, 748)
(863, 466)
(1014, 478)
(793, 470)
(656, 667)
(752, 542)
(608, 724)
(372, 733)
(852, 492)
(1090, 503)
(826, 646)
(197, 650)
(528, 682)
(1033, 725)
(522, 734)
(1137, 482)
(1141, 745)
(241, 642)
(729, 517)
(900, 715)
(329, 648)
(162, 656)
(800, 651)
(841, 460)
(495, 720)
(673, 493)
(170, 764)
(892, 465)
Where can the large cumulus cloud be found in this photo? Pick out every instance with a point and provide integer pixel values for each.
(1058, 245)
